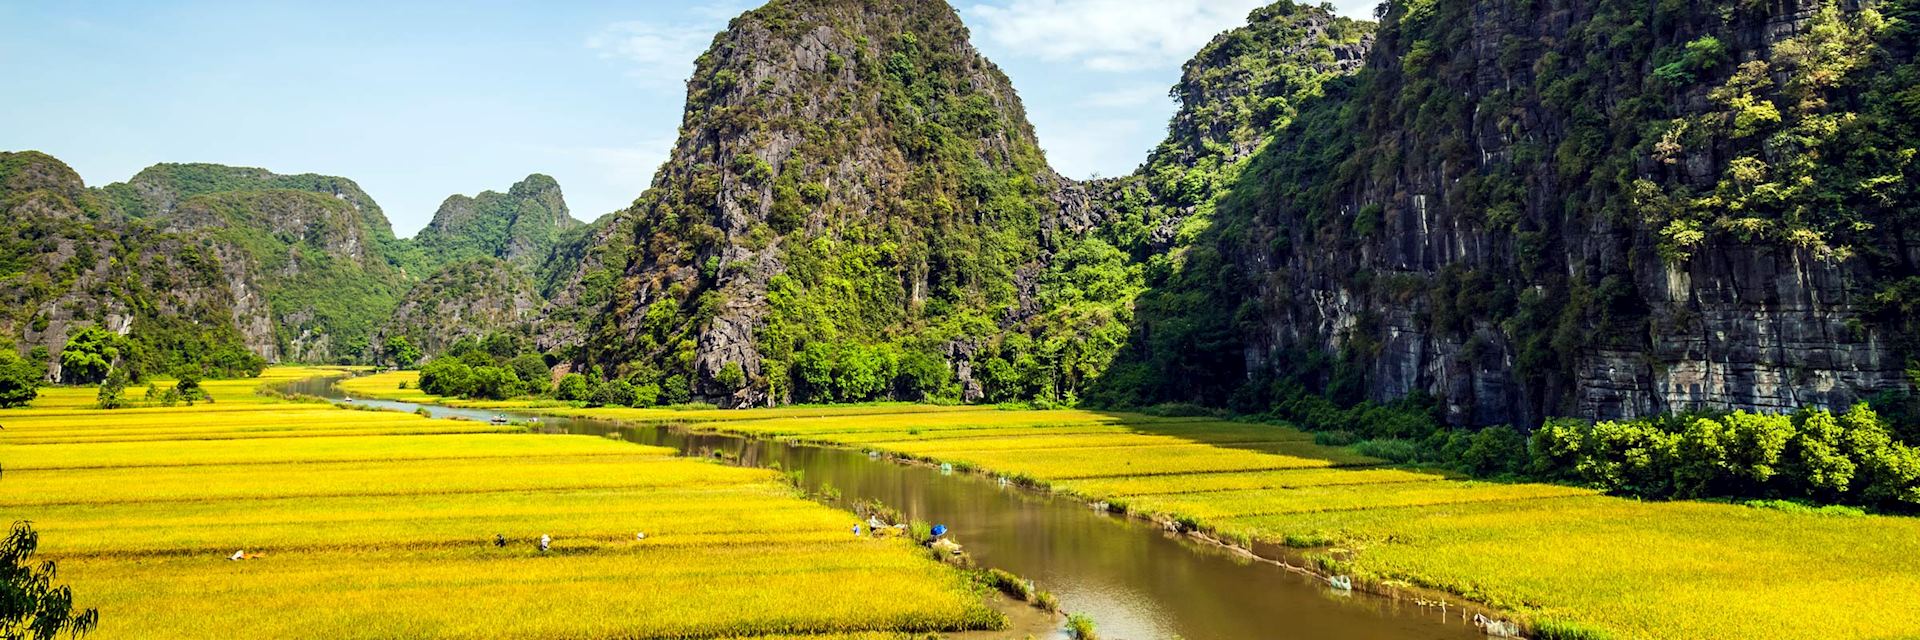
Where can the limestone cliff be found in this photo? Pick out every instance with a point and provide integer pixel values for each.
(468, 299)
(310, 261)
(519, 226)
(1597, 209)
(69, 261)
(849, 176)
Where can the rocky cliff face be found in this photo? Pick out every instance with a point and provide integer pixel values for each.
(847, 175)
(1599, 209)
(309, 261)
(69, 261)
(519, 226)
(470, 299)
(322, 274)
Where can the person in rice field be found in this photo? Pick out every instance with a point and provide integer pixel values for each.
(545, 542)
(499, 540)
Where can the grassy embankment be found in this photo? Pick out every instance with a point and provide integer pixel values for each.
(1566, 558)
(380, 524)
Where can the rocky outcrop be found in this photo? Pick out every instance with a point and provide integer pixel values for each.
(1535, 209)
(71, 261)
(846, 174)
(470, 299)
(521, 225)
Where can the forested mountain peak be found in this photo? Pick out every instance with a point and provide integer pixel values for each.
(209, 266)
(161, 187)
(520, 225)
(27, 172)
(853, 182)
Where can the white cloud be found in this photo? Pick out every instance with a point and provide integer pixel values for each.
(660, 54)
(663, 53)
(1108, 35)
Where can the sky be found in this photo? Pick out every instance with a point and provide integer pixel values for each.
(418, 100)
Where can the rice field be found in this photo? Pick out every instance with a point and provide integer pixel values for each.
(365, 524)
(1546, 553)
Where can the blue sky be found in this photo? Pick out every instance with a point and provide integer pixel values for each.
(420, 100)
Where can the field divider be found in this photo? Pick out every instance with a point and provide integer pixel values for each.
(1192, 492)
(370, 494)
(1202, 472)
(296, 461)
(964, 450)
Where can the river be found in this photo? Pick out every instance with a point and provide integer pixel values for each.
(1135, 580)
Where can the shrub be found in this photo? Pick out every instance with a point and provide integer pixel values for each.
(572, 387)
(1081, 627)
(1340, 438)
(1812, 455)
(613, 393)
(731, 376)
(1009, 584)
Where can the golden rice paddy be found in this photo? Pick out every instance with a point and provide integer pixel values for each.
(364, 524)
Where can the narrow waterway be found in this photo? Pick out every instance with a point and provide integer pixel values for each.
(1136, 581)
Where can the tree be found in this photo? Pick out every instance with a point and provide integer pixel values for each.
(188, 389)
(19, 380)
(532, 371)
(90, 353)
(924, 376)
(446, 377)
(31, 607)
(676, 390)
(111, 388)
(493, 383)
(401, 352)
(613, 393)
(573, 386)
(646, 395)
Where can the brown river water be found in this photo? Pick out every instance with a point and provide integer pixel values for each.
(1137, 581)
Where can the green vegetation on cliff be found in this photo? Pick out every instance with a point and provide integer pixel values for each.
(914, 245)
(826, 267)
(214, 269)
(521, 225)
(1527, 217)
(68, 262)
